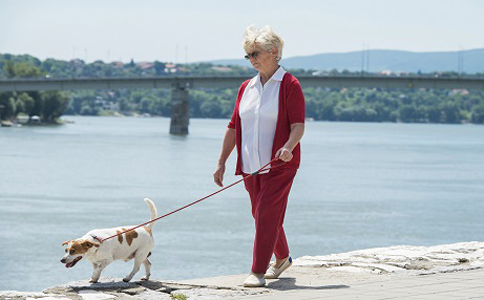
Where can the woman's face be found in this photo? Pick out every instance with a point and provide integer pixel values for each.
(261, 59)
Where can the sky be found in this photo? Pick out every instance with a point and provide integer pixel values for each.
(183, 31)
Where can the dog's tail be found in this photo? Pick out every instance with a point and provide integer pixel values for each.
(154, 212)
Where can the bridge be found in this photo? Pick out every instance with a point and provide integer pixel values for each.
(181, 84)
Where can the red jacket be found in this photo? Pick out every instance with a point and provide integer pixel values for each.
(291, 110)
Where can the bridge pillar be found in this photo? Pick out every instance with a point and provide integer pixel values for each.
(180, 110)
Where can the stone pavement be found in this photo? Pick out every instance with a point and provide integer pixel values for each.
(304, 283)
(299, 282)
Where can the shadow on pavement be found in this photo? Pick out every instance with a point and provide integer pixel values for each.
(285, 284)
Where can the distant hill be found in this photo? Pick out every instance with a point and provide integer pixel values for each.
(472, 61)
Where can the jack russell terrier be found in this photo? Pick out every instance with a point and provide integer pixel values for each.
(135, 244)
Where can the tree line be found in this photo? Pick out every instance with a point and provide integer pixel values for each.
(347, 104)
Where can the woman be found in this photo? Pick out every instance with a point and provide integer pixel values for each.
(267, 122)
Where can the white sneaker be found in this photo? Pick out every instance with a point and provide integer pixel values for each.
(273, 272)
(254, 281)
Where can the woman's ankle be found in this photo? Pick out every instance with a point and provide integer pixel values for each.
(258, 275)
(279, 262)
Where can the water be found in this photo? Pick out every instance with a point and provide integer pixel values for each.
(360, 185)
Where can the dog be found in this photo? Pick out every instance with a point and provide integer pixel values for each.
(136, 244)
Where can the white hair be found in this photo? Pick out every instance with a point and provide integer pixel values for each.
(265, 38)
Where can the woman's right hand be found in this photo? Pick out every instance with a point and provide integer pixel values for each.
(227, 147)
(218, 176)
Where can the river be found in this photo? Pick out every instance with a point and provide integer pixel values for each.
(360, 185)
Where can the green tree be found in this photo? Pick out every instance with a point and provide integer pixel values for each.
(124, 105)
(8, 106)
(54, 105)
(38, 104)
(159, 68)
(478, 114)
(161, 107)
(25, 104)
(211, 109)
(26, 70)
(451, 112)
(408, 113)
(433, 114)
(145, 105)
(8, 69)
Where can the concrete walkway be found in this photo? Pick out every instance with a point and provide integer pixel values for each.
(299, 282)
(314, 283)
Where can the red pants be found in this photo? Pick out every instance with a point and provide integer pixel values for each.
(268, 194)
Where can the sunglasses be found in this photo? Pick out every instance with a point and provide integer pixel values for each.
(251, 55)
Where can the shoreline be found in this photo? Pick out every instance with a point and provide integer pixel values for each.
(329, 275)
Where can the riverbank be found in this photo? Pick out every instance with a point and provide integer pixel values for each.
(33, 121)
(453, 271)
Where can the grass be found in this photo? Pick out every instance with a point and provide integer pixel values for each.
(178, 297)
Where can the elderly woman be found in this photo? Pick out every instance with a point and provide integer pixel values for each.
(267, 122)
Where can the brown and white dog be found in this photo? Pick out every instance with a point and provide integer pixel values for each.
(135, 244)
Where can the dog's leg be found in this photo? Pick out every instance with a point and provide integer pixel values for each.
(138, 259)
(147, 265)
(97, 268)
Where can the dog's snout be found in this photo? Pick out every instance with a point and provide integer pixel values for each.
(63, 260)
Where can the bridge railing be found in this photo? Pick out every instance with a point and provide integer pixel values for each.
(191, 82)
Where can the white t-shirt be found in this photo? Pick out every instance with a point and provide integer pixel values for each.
(258, 110)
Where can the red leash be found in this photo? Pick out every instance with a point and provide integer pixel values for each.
(264, 168)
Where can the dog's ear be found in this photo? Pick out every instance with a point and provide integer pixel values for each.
(66, 242)
(88, 244)
(94, 244)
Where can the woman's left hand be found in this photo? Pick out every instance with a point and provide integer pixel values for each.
(284, 154)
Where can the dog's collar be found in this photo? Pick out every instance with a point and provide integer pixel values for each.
(96, 238)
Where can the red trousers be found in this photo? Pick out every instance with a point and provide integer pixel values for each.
(269, 193)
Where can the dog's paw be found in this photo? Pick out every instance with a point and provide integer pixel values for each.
(144, 278)
(92, 280)
(126, 279)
